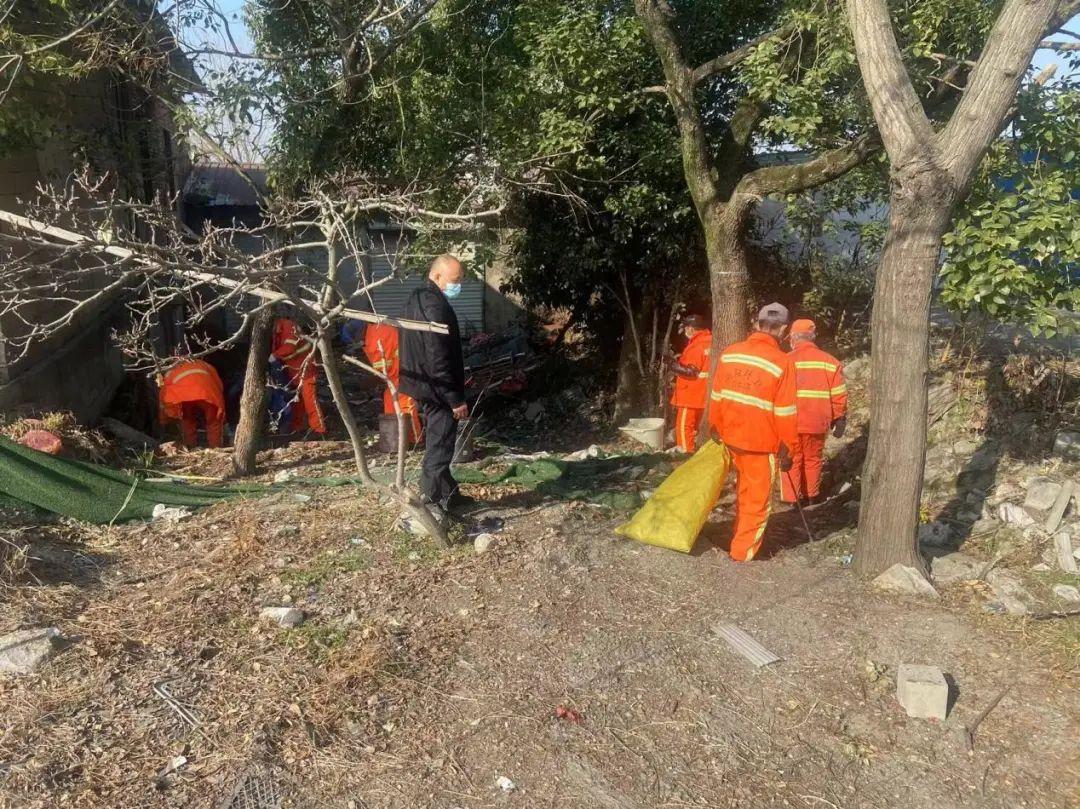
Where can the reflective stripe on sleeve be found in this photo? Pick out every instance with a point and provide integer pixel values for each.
(784, 411)
(818, 364)
(743, 398)
(811, 394)
(838, 390)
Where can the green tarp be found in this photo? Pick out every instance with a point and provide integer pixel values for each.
(91, 492)
(603, 481)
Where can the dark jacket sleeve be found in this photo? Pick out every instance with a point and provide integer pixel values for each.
(443, 362)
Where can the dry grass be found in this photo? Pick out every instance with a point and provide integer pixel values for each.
(79, 442)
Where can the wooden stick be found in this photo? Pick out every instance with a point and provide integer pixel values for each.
(969, 730)
(217, 280)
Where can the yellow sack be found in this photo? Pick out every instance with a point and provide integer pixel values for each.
(673, 516)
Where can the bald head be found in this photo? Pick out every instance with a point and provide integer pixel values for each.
(446, 270)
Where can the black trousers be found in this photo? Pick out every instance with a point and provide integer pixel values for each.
(440, 437)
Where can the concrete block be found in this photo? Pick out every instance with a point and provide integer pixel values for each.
(922, 691)
(1042, 493)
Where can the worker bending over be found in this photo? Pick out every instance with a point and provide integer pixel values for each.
(691, 381)
(821, 401)
(753, 413)
(191, 390)
(295, 351)
(381, 347)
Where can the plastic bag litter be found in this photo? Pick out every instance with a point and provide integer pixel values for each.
(674, 515)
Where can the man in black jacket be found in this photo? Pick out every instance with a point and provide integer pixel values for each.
(433, 373)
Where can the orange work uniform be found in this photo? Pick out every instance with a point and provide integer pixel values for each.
(820, 398)
(296, 353)
(689, 394)
(381, 347)
(753, 411)
(192, 389)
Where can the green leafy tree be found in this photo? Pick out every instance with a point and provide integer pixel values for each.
(1014, 250)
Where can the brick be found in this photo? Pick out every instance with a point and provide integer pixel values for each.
(922, 691)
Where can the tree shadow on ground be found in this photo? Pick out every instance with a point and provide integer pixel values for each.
(51, 560)
(1023, 398)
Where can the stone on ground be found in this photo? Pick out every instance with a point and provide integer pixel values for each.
(23, 651)
(1009, 592)
(903, 579)
(287, 617)
(1042, 492)
(1067, 445)
(1066, 592)
(43, 441)
(1061, 505)
(1066, 557)
(954, 567)
(1012, 514)
(170, 514)
(922, 691)
(483, 543)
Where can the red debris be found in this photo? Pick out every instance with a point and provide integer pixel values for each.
(42, 441)
(568, 714)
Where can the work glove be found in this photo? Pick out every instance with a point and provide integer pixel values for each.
(784, 457)
(686, 371)
(839, 426)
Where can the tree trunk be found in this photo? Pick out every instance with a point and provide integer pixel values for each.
(729, 271)
(729, 282)
(253, 400)
(893, 471)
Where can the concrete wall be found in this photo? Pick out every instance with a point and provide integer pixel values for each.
(119, 132)
(80, 375)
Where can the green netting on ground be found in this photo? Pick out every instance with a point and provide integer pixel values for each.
(94, 493)
(602, 481)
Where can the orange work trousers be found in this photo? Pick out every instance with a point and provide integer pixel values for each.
(687, 420)
(804, 479)
(408, 410)
(306, 407)
(757, 477)
(212, 417)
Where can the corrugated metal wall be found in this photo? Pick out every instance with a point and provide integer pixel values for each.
(390, 297)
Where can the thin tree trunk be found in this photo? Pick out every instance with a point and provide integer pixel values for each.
(253, 399)
(628, 402)
(893, 471)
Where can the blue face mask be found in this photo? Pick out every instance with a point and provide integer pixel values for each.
(452, 290)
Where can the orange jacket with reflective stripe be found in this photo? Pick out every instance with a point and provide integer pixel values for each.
(190, 381)
(753, 396)
(293, 348)
(692, 392)
(820, 393)
(381, 347)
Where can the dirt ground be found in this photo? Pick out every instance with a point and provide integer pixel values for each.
(565, 667)
(422, 679)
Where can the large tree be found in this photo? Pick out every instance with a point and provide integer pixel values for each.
(931, 170)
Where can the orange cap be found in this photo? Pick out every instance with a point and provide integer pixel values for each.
(803, 326)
